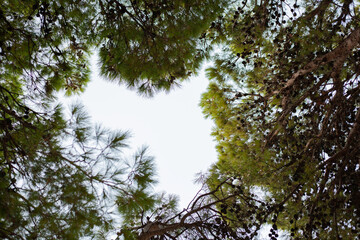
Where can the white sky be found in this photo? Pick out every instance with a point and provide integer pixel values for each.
(172, 125)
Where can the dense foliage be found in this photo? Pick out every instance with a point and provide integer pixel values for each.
(59, 174)
(153, 45)
(284, 95)
(146, 44)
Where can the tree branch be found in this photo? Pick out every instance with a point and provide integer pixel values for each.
(341, 51)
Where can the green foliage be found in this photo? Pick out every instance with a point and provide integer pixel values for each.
(56, 173)
(284, 97)
(40, 43)
(59, 174)
(138, 197)
(150, 45)
(283, 93)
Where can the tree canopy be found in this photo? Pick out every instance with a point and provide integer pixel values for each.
(149, 45)
(60, 175)
(284, 96)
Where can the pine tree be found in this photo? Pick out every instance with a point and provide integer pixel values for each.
(154, 45)
(284, 95)
(60, 174)
(149, 45)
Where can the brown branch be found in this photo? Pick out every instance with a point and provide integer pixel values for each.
(20, 119)
(353, 130)
(158, 228)
(342, 51)
(338, 56)
(288, 108)
(207, 194)
(344, 150)
(161, 229)
(317, 11)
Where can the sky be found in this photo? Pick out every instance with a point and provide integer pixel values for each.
(170, 124)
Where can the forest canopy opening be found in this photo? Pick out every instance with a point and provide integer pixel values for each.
(283, 93)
